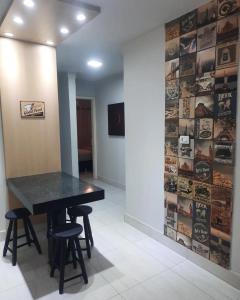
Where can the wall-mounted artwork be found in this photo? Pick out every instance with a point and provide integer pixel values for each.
(32, 109)
(202, 57)
(116, 119)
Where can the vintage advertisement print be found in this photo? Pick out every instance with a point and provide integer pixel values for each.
(200, 249)
(226, 80)
(185, 206)
(221, 218)
(186, 127)
(188, 43)
(227, 55)
(171, 165)
(186, 150)
(188, 65)
(172, 49)
(187, 86)
(222, 175)
(172, 30)
(203, 171)
(226, 104)
(171, 210)
(205, 86)
(225, 130)
(204, 129)
(185, 167)
(207, 13)
(171, 110)
(188, 22)
(172, 69)
(204, 107)
(204, 150)
(206, 63)
(172, 90)
(201, 223)
(202, 192)
(184, 225)
(184, 240)
(221, 197)
(171, 128)
(185, 187)
(224, 153)
(171, 233)
(32, 109)
(171, 147)
(170, 183)
(187, 108)
(206, 37)
(228, 7)
(227, 29)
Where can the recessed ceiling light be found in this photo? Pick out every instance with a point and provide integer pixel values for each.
(50, 43)
(64, 30)
(81, 17)
(96, 64)
(29, 3)
(9, 34)
(18, 20)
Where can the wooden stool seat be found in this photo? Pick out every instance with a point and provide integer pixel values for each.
(80, 211)
(67, 231)
(17, 214)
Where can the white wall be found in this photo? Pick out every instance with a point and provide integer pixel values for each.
(85, 88)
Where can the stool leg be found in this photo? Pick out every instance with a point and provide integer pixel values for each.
(27, 232)
(9, 231)
(14, 250)
(81, 261)
(35, 240)
(73, 219)
(72, 248)
(54, 258)
(87, 236)
(90, 232)
(62, 265)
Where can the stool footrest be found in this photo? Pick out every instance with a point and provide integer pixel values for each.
(19, 237)
(73, 277)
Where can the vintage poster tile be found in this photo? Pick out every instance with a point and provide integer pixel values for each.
(186, 127)
(172, 69)
(222, 175)
(184, 240)
(204, 107)
(226, 105)
(207, 13)
(171, 128)
(185, 187)
(171, 233)
(187, 108)
(185, 167)
(224, 153)
(206, 37)
(171, 210)
(170, 183)
(227, 55)
(204, 129)
(186, 150)
(206, 63)
(188, 22)
(188, 65)
(226, 80)
(188, 43)
(171, 147)
(201, 249)
(184, 225)
(172, 30)
(187, 86)
(228, 7)
(205, 86)
(225, 130)
(203, 171)
(222, 197)
(220, 248)
(171, 165)
(221, 218)
(172, 49)
(172, 90)
(202, 192)
(201, 223)
(227, 29)
(204, 150)
(171, 109)
(185, 206)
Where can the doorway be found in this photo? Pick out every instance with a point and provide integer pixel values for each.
(86, 137)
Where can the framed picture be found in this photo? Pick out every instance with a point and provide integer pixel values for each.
(204, 107)
(32, 109)
(188, 22)
(226, 80)
(207, 13)
(172, 30)
(228, 7)
(227, 55)
(206, 37)
(227, 29)
(116, 121)
(188, 43)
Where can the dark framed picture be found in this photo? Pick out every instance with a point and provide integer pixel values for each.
(187, 108)
(184, 240)
(221, 196)
(185, 167)
(188, 22)
(207, 13)
(116, 120)
(228, 7)
(171, 210)
(225, 130)
(204, 107)
(186, 127)
(169, 232)
(226, 104)
(206, 63)
(188, 65)
(200, 249)
(224, 153)
(172, 69)
(186, 150)
(226, 80)
(171, 147)
(185, 187)
(172, 89)
(227, 55)
(171, 165)
(170, 183)
(205, 86)
(227, 29)
(204, 150)
(184, 225)
(187, 87)
(172, 30)
(206, 37)
(221, 218)
(223, 175)
(203, 171)
(204, 128)
(171, 128)
(172, 49)
(32, 109)
(220, 248)
(171, 109)
(188, 43)
(202, 192)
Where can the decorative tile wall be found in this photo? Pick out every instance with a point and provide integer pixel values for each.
(201, 72)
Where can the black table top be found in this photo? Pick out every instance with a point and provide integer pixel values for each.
(54, 191)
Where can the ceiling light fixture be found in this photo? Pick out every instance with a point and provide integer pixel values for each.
(64, 30)
(29, 3)
(50, 43)
(96, 64)
(81, 17)
(9, 34)
(18, 20)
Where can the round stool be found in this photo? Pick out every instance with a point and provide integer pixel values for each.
(66, 242)
(83, 211)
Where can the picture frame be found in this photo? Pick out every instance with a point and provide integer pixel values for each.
(32, 109)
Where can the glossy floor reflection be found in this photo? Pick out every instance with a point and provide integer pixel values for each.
(125, 264)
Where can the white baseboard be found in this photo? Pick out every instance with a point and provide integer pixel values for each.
(112, 182)
(228, 276)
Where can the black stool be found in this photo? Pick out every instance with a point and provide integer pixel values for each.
(83, 211)
(66, 241)
(13, 216)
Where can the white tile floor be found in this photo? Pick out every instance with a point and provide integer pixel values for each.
(126, 264)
